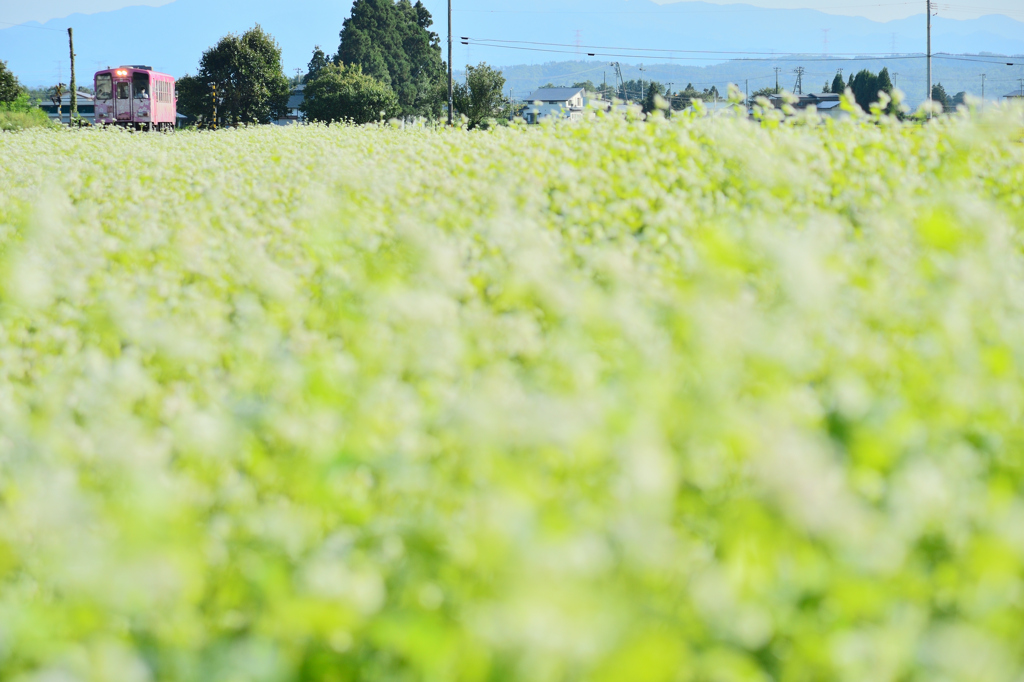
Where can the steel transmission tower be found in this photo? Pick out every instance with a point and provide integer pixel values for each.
(798, 89)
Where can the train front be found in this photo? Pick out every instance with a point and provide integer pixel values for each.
(134, 96)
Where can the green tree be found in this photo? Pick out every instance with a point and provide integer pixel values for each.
(685, 97)
(251, 84)
(838, 85)
(10, 88)
(884, 82)
(826, 88)
(480, 97)
(392, 42)
(195, 98)
(316, 64)
(939, 95)
(865, 88)
(345, 93)
(654, 91)
(959, 98)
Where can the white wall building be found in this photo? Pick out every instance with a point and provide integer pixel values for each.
(566, 103)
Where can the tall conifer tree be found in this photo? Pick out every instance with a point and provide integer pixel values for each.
(392, 42)
(838, 85)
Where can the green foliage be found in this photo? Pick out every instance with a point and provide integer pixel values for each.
(481, 98)
(10, 88)
(866, 86)
(685, 97)
(251, 84)
(838, 84)
(939, 95)
(341, 93)
(884, 82)
(392, 42)
(21, 113)
(654, 94)
(701, 400)
(317, 63)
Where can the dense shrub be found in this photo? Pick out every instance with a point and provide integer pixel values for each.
(19, 114)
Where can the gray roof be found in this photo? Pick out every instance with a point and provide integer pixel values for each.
(553, 94)
(295, 101)
(65, 100)
(1015, 93)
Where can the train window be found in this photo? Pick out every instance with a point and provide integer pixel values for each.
(140, 85)
(122, 91)
(104, 87)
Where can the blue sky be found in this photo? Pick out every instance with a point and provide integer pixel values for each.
(16, 11)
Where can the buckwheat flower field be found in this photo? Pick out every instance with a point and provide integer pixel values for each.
(624, 401)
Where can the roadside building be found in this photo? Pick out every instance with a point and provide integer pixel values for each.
(86, 107)
(1016, 94)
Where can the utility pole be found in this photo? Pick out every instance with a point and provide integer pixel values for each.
(746, 86)
(643, 91)
(983, 91)
(214, 122)
(74, 94)
(798, 88)
(451, 98)
(929, 8)
(777, 69)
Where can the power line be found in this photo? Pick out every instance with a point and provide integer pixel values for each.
(640, 53)
(671, 11)
(644, 49)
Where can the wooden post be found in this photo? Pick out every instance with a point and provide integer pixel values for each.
(56, 97)
(74, 88)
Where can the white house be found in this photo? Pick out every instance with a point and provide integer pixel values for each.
(566, 103)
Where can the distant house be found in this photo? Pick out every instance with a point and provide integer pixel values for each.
(827, 103)
(86, 107)
(1016, 94)
(566, 103)
(294, 113)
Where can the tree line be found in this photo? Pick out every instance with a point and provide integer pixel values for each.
(388, 64)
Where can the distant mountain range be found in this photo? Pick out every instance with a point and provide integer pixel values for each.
(173, 37)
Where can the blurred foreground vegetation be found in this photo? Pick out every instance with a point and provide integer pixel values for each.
(696, 399)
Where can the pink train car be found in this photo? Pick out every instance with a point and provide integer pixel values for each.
(135, 97)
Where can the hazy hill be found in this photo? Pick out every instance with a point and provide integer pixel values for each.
(172, 37)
